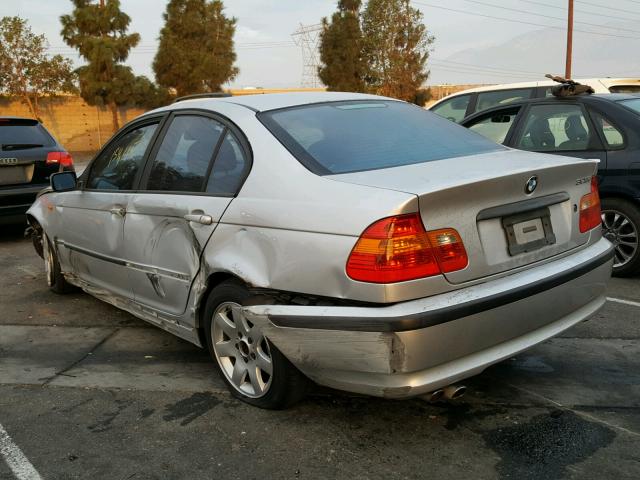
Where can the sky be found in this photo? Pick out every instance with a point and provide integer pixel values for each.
(477, 41)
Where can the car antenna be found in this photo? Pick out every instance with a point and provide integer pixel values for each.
(568, 87)
(203, 95)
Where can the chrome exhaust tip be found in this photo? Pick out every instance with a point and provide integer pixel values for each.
(434, 396)
(453, 392)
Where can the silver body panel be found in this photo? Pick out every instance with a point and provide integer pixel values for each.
(290, 230)
(409, 363)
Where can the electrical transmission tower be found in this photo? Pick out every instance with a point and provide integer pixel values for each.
(307, 38)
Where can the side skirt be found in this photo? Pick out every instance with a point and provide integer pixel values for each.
(165, 323)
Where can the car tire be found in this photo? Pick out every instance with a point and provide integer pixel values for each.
(235, 344)
(53, 274)
(621, 223)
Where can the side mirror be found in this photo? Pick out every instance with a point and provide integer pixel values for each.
(64, 181)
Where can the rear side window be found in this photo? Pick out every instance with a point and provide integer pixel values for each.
(453, 109)
(117, 166)
(17, 133)
(496, 98)
(183, 160)
(612, 136)
(351, 136)
(229, 169)
(555, 128)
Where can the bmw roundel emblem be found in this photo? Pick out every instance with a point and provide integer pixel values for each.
(531, 184)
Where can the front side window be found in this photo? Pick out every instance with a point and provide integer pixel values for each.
(560, 127)
(117, 166)
(183, 159)
(351, 136)
(495, 126)
(453, 109)
(496, 98)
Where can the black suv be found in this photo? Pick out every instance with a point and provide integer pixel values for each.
(604, 127)
(28, 156)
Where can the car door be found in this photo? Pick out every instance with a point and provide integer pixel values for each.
(192, 175)
(90, 241)
(559, 127)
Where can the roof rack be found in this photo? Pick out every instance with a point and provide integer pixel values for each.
(203, 95)
(568, 87)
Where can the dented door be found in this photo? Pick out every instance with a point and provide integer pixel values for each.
(164, 236)
(193, 175)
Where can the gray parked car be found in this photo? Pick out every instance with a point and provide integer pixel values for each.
(354, 240)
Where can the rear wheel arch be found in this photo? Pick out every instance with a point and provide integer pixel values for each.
(627, 259)
(213, 280)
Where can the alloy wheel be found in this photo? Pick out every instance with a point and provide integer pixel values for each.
(241, 351)
(623, 233)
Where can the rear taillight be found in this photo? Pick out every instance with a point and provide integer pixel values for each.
(590, 208)
(63, 159)
(397, 249)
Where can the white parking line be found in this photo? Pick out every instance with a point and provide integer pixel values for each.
(624, 302)
(15, 459)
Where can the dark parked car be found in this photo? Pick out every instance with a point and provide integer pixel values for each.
(28, 156)
(603, 127)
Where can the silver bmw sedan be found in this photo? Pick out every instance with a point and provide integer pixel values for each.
(355, 241)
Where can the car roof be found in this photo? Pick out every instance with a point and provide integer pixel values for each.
(274, 101)
(9, 117)
(598, 97)
(599, 84)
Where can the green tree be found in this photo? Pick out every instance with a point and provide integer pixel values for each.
(196, 52)
(396, 48)
(99, 32)
(343, 68)
(26, 71)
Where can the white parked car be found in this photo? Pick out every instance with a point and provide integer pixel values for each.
(458, 106)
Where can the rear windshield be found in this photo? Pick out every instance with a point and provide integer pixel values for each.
(633, 104)
(625, 89)
(15, 133)
(352, 136)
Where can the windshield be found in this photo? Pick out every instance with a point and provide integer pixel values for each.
(633, 104)
(18, 132)
(352, 136)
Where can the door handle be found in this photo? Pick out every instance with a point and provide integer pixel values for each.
(118, 211)
(203, 219)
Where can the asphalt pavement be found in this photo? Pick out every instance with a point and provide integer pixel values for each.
(88, 391)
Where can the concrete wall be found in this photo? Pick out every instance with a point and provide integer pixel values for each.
(77, 126)
(83, 129)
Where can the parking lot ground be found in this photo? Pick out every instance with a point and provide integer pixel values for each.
(88, 391)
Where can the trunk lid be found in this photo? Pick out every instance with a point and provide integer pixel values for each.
(483, 197)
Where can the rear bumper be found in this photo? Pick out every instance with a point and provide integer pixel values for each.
(14, 202)
(415, 347)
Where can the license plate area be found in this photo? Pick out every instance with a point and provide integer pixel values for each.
(528, 231)
(15, 174)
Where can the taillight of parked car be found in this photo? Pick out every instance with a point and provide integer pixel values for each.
(590, 208)
(398, 248)
(63, 159)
